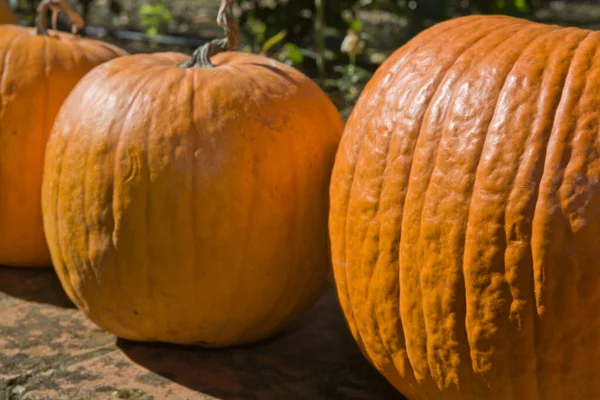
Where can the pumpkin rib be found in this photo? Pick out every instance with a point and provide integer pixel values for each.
(379, 99)
(251, 205)
(67, 283)
(82, 51)
(58, 262)
(514, 188)
(581, 171)
(442, 381)
(378, 216)
(467, 355)
(136, 89)
(547, 210)
(45, 94)
(468, 57)
(429, 105)
(575, 196)
(133, 89)
(441, 79)
(108, 48)
(64, 275)
(85, 200)
(541, 209)
(436, 95)
(292, 158)
(475, 182)
(193, 196)
(343, 289)
(297, 182)
(475, 187)
(380, 196)
(179, 76)
(98, 317)
(146, 77)
(230, 68)
(385, 344)
(537, 206)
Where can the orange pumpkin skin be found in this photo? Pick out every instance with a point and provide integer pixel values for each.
(7, 16)
(38, 73)
(465, 213)
(189, 205)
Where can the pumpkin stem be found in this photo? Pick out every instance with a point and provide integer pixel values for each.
(226, 19)
(56, 6)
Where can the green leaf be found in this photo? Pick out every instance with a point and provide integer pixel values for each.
(293, 53)
(356, 25)
(521, 5)
(152, 32)
(272, 41)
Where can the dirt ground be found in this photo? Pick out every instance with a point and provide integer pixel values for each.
(50, 351)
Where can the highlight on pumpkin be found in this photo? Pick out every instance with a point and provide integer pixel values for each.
(185, 199)
(38, 73)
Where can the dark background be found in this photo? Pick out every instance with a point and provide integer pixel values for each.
(294, 31)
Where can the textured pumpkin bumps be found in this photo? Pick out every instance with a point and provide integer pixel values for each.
(465, 213)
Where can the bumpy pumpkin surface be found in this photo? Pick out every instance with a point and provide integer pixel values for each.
(7, 16)
(38, 72)
(465, 213)
(189, 205)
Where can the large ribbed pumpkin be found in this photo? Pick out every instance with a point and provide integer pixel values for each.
(189, 205)
(465, 213)
(38, 71)
(7, 16)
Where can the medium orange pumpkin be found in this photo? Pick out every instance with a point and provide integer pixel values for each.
(7, 16)
(186, 202)
(38, 72)
(465, 213)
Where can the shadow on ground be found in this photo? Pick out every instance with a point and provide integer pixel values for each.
(50, 350)
(33, 284)
(315, 359)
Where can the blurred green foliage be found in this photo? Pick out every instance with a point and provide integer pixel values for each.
(153, 17)
(314, 35)
(305, 26)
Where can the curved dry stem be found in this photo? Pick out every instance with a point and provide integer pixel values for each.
(226, 19)
(56, 6)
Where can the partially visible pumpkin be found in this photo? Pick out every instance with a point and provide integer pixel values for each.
(38, 71)
(187, 203)
(465, 213)
(7, 16)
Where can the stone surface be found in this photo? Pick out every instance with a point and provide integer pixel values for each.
(49, 350)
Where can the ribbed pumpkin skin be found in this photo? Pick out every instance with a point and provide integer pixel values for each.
(7, 16)
(37, 75)
(465, 213)
(190, 205)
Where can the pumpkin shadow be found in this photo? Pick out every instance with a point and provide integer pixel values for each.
(316, 358)
(39, 285)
